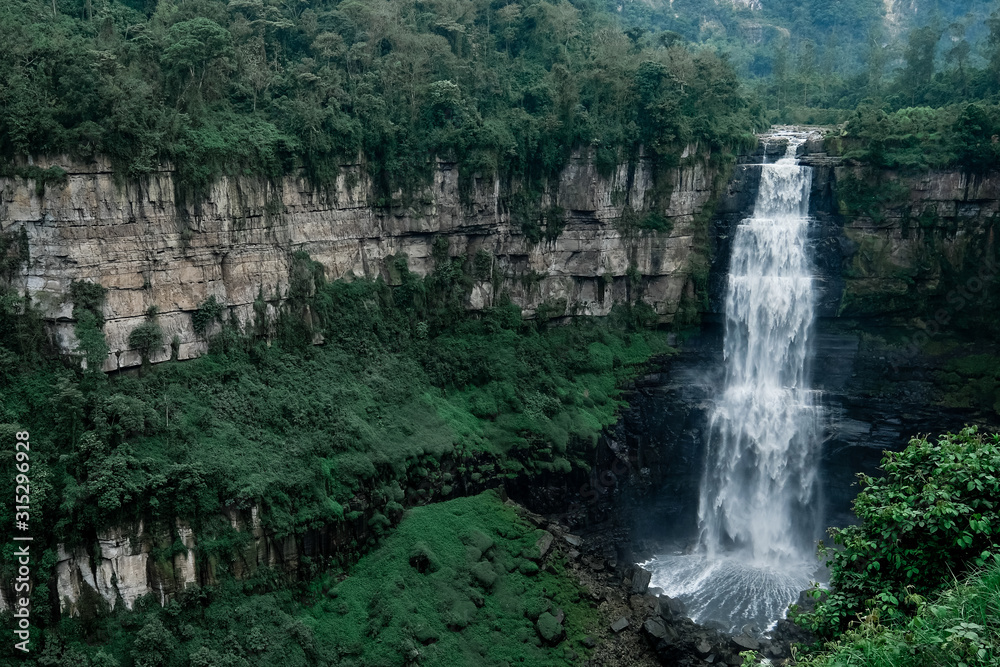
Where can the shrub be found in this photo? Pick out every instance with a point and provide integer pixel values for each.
(146, 338)
(209, 312)
(88, 297)
(960, 628)
(932, 517)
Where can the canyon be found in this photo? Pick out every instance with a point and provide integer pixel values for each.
(148, 249)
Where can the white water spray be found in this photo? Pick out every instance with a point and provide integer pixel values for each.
(758, 509)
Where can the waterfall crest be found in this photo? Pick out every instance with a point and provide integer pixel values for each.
(758, 513)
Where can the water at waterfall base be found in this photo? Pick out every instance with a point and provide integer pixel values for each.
(759, 510)
(731, 592)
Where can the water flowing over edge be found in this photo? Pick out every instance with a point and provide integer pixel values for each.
(759, 510)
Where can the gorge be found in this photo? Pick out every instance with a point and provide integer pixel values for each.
(486, 333)
(129, 561)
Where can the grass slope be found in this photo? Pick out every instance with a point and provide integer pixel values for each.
(458, 583)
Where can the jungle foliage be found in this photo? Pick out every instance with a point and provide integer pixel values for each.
(958, 628)
(267, 88)
(409, 399)
(932, 517)
(456, 584)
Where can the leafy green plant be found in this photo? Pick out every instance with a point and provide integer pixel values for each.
(209, 312)
(234, 89)
(958, 628)
(932, 517)
(146, 337)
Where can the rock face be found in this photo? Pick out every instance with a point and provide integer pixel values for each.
(934, 236)
(885, 244)
(148, 248)
(128, 566)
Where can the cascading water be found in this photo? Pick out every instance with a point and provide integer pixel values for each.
(758, 513)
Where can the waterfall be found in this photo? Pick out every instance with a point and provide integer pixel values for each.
(757, 492)
(758, 513)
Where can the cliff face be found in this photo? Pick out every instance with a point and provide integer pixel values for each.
(885, 245)
(130, 562)
(934, 238)
(148, 249)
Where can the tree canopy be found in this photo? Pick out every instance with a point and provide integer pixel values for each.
(268, 87)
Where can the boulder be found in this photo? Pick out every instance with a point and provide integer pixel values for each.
(543, 543)
(745, 643)
(640, 580)
(654, 629)
(550, 628)
(671, 609)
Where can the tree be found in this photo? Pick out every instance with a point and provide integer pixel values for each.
(197, 50)
(993, 51)
(919, 56)
(976, 134)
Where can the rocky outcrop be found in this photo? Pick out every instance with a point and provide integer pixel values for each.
(133, 561)
(148, 248)
(119, 573)
(930, 234)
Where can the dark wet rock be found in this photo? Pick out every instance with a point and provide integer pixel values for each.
(543, 543)
(746, 643)
(787, 633)
(640, 580)
(671, 609)
(655, 629)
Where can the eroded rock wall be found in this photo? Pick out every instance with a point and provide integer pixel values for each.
(149, 249)
(129, 562)
(937, 234)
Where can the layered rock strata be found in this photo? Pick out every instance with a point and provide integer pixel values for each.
(149, 249)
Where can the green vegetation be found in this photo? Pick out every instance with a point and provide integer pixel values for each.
(814, 62)
(266, 88)
(971, 381)
(387, 395)
(933, 517)
(922, 138)
(959, 628)
(410, 399)
(927, 116)
(457, 583)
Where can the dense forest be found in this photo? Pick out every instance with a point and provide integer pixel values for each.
(409, 400)
(395, 431)
(212, 87)
(815, 62)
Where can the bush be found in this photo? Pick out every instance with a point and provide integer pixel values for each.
(960, 628)
(209, 312)
(146, 338)
(932, 517)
